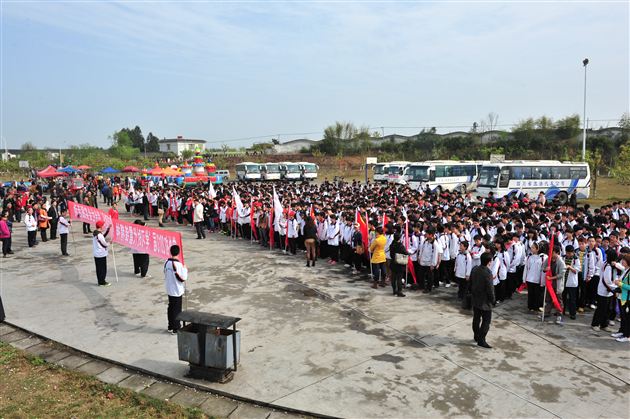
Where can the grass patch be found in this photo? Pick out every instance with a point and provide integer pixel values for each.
(29, 387)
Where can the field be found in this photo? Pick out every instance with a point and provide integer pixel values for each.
(32, 388)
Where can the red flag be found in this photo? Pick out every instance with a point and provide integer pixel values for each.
(385, 221)
(412, 270)
(395, 200)
(252, 223)
(364, 230)
(550, 289)
(286, 236)
(312, 212)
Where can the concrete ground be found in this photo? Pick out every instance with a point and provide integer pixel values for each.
(315, 340)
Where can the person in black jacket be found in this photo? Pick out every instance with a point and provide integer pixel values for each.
(310, 239)
(398, 269)
(482, 292)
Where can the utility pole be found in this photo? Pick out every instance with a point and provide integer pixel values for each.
(585, 63)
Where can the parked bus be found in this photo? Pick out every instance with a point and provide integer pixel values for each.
(442, 175)
(380, 172)
(554, 178)
(309, 170)
(248, 171)
(395, 171)
(290, 171)
(270, 171)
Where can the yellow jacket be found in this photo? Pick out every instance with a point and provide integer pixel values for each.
(377, 249)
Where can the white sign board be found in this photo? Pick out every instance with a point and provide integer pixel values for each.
(497, 158)
(23, 164)
(371, 160)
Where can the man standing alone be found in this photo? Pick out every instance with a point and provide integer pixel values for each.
(482, 292)
(175, 275)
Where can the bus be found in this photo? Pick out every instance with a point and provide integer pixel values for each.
(248, 171)
(290, 171)
(270, 171)
(395, 171)
(442, 175)
(380, 172)
(309, 170)
(555, 179)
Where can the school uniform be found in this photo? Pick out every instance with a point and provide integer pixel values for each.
(428, 257)
(175, 276)
(31, 229)
(292, 234)
(100, 249)
(332, 234)
(571, 282)
(463, 266)
(531, 276)
(64, 229)
(604, 293)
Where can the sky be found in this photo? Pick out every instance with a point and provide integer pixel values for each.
(236, 73)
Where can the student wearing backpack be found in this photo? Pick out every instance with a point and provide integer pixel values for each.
(175, 277)
(605, 292)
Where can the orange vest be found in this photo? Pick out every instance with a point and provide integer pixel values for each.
(43, 220)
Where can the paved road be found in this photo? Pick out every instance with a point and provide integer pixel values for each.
(315, 341)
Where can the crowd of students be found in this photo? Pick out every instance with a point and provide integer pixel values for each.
(391, 235)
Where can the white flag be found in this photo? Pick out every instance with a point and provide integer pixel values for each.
(277, 207)
(211, 191)
(237, 199)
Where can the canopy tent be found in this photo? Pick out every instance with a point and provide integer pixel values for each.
(169, 171)
(84, 167)
(50, 172)
(68, 169)
(130, 169)
(109, 170)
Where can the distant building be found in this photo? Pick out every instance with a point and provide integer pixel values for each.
(179, 144)
(294, 146)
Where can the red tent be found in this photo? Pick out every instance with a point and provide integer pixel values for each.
(84, 167)
(156, 171)
(50, 172)
(130, 169)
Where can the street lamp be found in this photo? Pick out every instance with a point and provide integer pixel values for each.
(585, 62)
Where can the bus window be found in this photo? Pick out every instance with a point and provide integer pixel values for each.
(488, 177)
(560, 172)
(578, 172)
(504, 180)
(440, 171)
(520, 172)
(541, 172)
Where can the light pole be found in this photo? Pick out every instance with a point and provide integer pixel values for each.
(585, 62)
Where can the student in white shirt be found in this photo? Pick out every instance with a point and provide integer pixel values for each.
(31, 227)
(175, 277)
(64, 225)
(571, 282)
(476, 251)
(100, 248)
(332, 235)
(463, 266)
(604, 291)
(531, 276)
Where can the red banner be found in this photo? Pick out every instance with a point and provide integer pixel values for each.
(550, 289)
(154, 241)
(88, 214)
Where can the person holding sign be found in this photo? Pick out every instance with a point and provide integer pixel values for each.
(100, 248)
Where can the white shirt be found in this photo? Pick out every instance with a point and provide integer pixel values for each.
(31, 222)
(607, 278)
(332, 234)
(475, 254)
(172, 269)
(293, 228)
(533, 269)
(100, 246)
(463, 265)
(198, 213)
(572, 277)
(64, 225)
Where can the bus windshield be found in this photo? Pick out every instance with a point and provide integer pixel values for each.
(293, 168)
(488, 177)
(252, 168)
(310, 168)
(418, 172)
(378, 169)
(272, 168)
(393, 170)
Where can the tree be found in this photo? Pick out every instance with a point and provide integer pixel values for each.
(493, 119)
(121, 139)
(187, 154)
(622, 164)
(152, 143)
(594, 159)
(336, 137)
(568, 127)
(137, 139)
(28, 146)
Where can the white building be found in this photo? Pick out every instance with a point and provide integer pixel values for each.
(179, 144)
(294, 146)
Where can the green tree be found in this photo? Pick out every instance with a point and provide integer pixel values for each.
(187, 154)
(137, 139)
(621, 170)
(28, 146)
(595, 160)
(121, 138)
(567, 128)
(153, 143)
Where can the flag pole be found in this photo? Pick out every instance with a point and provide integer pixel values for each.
(114, 257)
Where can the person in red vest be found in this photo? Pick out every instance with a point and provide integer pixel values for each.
(113, 211)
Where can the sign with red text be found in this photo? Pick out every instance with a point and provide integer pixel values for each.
(155, 242)
(88, 214)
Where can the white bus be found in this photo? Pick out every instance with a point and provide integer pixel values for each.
(248, 171)
(442, 175)
(554, 178)
(380, 172)
(309, 170)
(270, 171)
(395, 171)
(290, 171)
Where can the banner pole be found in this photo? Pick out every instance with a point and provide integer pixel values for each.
(114, 257)
(544, 301)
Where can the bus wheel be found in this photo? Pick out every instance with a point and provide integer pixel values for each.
(563, 197)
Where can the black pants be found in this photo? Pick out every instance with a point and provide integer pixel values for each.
(624, 327)
(200, 232)
(398, 271)
(42, 232)
(570, 300)
(499, 290)
(86, 228)
(425, 275)
(461, 287)
(174, 308)
(533, 296)
(263, 236)
(323, 249)
(511, 284)
(1, 310)
(32, 238)
(447, 270)
(64, 243)
(333, 252)
(101, 270)
(591, 290)
(293, 245)
(53, 229)
(6, 246)
(481, 323)
(600, 318)
(140, 264)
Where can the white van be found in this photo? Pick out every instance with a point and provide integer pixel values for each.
(395, 171)
(290, 171)
(270, 171)
(380, 172)
(309, 170)
(248, 171)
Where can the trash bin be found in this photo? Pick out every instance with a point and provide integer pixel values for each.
(208, 344)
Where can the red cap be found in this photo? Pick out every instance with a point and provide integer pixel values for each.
(100, 223)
